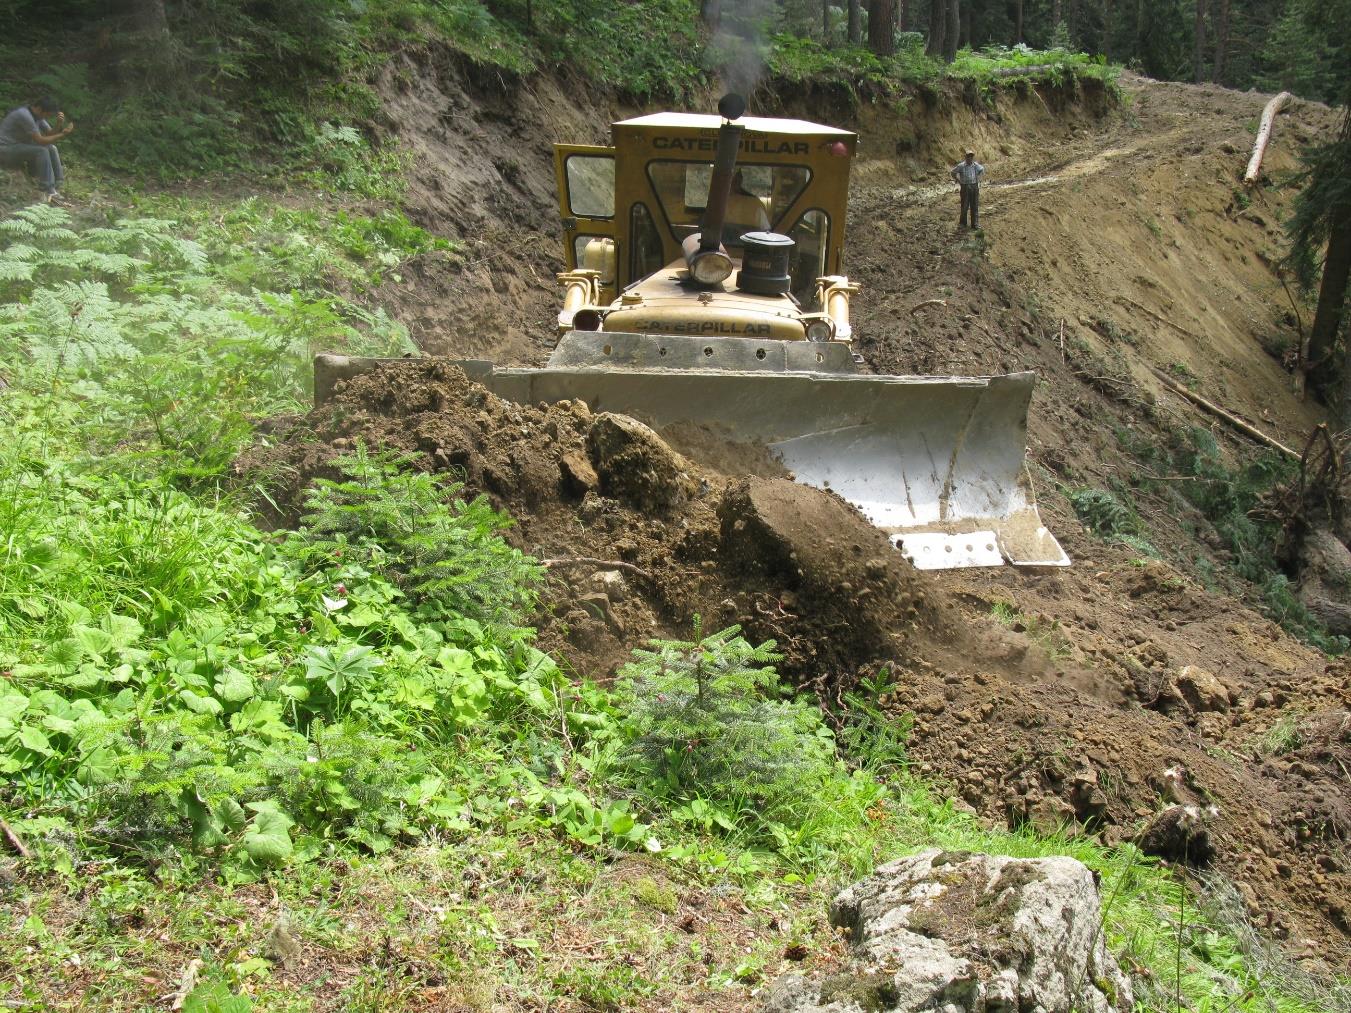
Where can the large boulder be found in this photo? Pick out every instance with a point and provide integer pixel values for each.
(957, 932)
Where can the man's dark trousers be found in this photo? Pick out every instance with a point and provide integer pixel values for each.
(971, 202)
(42, 161)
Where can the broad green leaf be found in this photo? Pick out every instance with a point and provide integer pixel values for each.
(99, 766)
(179, 646)
(360, 617)
(34, 608)
(123, 631)
(75, 613)
(268, 839)
(33, 738)
(200, 704)
(62, 726)
(232, 814)
(12, 705)
(216, 998)
(94, 641)
(234, 686)
(65, 655)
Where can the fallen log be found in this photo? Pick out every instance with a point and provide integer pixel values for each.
(1259, 148)
(1226, 417)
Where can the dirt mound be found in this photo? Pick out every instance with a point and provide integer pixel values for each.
(639, 539)
(842, 594)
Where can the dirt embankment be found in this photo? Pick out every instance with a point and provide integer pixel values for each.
(1095, 696)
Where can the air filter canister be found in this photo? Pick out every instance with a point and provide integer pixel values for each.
(764, 263)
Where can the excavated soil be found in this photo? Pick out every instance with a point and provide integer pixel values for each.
(1117, 241)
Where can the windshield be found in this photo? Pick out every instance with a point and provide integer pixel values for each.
(761, 194)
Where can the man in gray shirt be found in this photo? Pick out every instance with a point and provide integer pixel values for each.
(28, 141)
(967, 173)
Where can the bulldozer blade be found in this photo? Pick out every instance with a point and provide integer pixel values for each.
(936, 462)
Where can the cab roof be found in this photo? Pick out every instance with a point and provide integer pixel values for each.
(710, 121)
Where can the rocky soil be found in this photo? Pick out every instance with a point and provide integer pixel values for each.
(1094, 698)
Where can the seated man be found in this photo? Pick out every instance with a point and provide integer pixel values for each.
(745, 212)
(28, 141)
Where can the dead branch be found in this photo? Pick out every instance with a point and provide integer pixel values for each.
(1157, 316)
(1062, 341)
(927, 302)
(15, 841)
(1259, 148)
(599, 564)
(1224, 416)
(1301, 373)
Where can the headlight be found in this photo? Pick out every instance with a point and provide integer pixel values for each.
(711, 268)
(820, 330)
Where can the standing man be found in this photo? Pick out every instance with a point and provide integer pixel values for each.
(967, 173)
(28, 141)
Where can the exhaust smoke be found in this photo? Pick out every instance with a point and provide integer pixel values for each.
(740, 45)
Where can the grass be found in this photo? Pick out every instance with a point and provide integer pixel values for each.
(1046, 634)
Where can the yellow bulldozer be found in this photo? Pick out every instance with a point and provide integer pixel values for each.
(704, 288)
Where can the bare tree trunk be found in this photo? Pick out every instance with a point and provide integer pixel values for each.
(882, 27)
(1264, 129)
(855, 22)
(1057, 14)
(1018, 22)
(1221, 41)
(966, 24)
(1199, 59)
(1327, 318)
(938, 28)
(905, 15)
(953, 31)
(825, 21)
(150, 17)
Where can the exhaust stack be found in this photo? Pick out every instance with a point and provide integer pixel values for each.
(707, 260)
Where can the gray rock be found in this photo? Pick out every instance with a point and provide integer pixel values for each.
(957, 932)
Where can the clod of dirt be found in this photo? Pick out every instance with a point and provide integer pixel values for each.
(854, 595)
(579, 478)
(1179, 834)
(636, 465)
(1199, 690)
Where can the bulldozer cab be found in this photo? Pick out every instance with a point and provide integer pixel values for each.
(627, 208)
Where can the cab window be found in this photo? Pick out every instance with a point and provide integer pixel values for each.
(591, 186)
(761, 194)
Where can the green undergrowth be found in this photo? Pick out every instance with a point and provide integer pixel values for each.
(1226, 496)
(197, 715)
